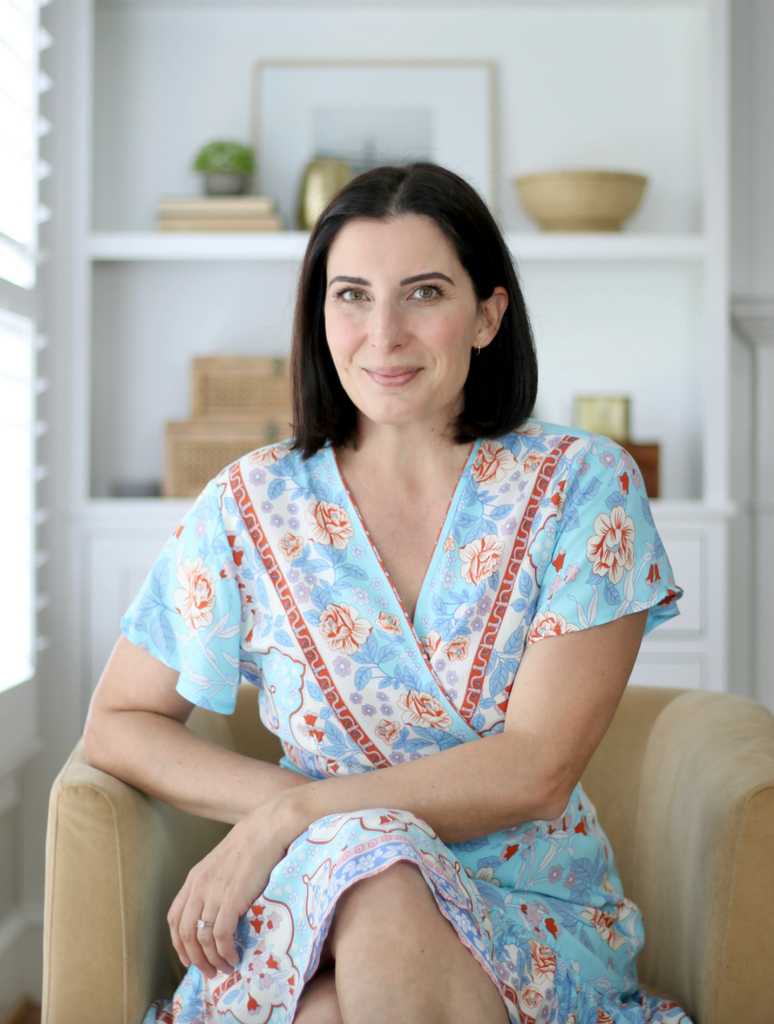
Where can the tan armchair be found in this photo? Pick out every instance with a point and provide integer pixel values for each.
(683, 784)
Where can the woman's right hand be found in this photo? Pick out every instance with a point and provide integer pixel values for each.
(225, 884)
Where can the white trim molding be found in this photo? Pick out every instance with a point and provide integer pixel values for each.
(17, 923)
(754, 319)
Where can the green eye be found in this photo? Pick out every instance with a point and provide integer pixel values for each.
(426, 291)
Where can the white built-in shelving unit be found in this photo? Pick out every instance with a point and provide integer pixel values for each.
(636, 85)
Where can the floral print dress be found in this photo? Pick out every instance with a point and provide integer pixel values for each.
(271, 580)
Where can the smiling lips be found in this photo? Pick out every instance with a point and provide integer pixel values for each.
(393, 376)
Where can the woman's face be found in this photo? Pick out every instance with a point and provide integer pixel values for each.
(402, 320)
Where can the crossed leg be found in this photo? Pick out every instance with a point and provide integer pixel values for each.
(396, 957)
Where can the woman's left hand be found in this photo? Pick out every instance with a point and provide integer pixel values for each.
(222, 887)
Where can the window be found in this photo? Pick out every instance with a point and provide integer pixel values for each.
(21, 82)
(21, 40)
(17, 507)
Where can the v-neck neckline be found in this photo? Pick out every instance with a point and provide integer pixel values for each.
(437, 547)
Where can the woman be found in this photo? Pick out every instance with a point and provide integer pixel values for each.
(427, 583)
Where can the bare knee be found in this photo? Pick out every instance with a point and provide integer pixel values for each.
(375, 904)
(319, 1003)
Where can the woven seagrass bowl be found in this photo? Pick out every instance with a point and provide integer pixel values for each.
(580, 200)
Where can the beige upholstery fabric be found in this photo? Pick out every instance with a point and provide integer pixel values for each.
(683, 783)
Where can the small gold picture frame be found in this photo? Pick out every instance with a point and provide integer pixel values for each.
(603, 414)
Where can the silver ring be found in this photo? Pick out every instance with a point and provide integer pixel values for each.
(204, 924)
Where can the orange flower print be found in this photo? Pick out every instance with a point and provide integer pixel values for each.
(603, 1017)
(448, 544)
(558, 498)
(550, 624)
(264, 457)
(329, 524)
(492, 463)
(543, 961)
(388, 731)
(389, 624)
(481, 558)
(530, 997)
(430, 643)
(291, 546)
(611, 549)
(457, 650)
(343, 629)
(531, 429)
(195, 598)
(532, 463)
(603, 923)
(654, 576)
(424, 709)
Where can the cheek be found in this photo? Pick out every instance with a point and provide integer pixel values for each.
(342, 333)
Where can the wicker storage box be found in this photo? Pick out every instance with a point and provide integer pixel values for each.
(197, 450)
(239, 388)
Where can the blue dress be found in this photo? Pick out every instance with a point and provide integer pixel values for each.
(272, 580)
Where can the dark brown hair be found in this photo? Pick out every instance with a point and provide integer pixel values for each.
(501, 386)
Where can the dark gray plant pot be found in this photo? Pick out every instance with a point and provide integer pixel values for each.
(220, 184)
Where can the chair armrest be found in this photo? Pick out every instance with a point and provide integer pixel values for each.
(114, 861)
(704, 857)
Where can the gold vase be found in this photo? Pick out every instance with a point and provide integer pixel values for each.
(322, 180)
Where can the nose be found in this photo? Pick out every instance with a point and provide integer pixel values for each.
(388, 331)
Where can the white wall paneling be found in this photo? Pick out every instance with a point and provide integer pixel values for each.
(754, 319)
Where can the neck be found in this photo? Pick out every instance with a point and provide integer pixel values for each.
(417, 451)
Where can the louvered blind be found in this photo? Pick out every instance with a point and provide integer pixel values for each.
(17, 504)
(21, 82)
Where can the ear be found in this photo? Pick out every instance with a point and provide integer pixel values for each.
(491, 312)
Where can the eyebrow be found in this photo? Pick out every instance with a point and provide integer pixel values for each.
(406, 280)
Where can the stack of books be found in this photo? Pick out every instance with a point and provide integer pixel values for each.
(219, 213)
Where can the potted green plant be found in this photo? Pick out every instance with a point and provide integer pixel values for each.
(227, 167)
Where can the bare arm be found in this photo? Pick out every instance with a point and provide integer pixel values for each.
(136, 731)
(565, 695)
(564, 698)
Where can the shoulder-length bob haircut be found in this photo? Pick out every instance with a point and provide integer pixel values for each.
(501, 386)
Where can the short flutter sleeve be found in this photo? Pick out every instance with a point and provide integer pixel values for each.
(601, 553)
(188, 613)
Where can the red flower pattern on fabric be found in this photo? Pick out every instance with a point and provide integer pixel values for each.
(264, 457)
(431, 643)
(481, 558)
(388, 731)
(291, 546)
(611, 549)
(389, 624)
(493, 462)
(424, 709)
(329, 523)
(550, 624)
(195, 598)
(343, 628)
(457, 649)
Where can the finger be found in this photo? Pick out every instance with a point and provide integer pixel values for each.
(190, 938)
(223, 935)
(173, 921)
(211, 938)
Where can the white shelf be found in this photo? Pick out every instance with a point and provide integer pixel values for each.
(282, 246)
(289, 246)
(557, 247)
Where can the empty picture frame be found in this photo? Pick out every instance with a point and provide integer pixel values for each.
(369, 113)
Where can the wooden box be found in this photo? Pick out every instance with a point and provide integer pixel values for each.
(240, 388)
(197, 450)
(647, 458)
